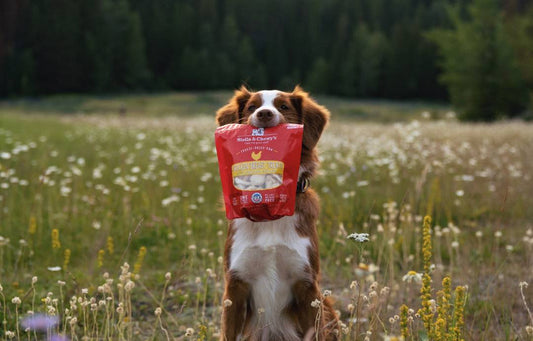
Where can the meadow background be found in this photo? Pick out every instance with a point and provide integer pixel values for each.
(85, 189)
(111, 223)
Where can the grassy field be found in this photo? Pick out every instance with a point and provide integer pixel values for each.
(111, 220)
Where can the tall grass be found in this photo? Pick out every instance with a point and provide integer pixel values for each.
(81, 197)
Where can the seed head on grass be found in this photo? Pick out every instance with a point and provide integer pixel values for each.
(523, 285)
(189, 332)
(129, 286)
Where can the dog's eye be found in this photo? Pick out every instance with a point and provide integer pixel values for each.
(284, 107)
(251, 108)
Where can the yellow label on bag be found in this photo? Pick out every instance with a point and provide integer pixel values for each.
(257, 167)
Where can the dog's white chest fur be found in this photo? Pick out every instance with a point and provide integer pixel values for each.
(270, 256)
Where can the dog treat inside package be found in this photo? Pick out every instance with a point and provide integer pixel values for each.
(259, 169)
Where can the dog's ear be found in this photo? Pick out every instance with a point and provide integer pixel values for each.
(313, 116)
(232, 112)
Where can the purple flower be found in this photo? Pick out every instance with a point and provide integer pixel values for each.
(40, 322)
(58, 338)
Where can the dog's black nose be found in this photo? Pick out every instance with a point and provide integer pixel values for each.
(265, 115)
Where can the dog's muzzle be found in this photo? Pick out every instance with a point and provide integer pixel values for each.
(265, 118)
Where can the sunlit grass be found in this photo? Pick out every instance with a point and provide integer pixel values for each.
(81, 196)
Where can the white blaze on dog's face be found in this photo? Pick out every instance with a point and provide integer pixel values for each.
(268, 108)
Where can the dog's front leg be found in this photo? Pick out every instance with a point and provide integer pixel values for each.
(235, 314)
(315, 316)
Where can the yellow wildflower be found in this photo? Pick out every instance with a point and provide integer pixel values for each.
(458, 314)
(443, 309)
(101, 254)
(67, 259)
(425, 292)
(404, 325)
(32, 226)
(140, 259)
(110, 245)
(56, 244)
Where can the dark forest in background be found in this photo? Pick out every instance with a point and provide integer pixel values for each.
(357, 48)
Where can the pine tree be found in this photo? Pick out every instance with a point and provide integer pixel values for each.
(135, 71)
(228, 54)
(54, 36)
(361, 70)
(478, 64)
(318, 79)
(519, 28)
(115, 47)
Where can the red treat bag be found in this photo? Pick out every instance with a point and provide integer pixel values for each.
(259, 169)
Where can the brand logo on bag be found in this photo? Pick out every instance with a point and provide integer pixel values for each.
(258, 132)
(257, 198)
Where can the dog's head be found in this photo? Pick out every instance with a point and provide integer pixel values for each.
(269, 108)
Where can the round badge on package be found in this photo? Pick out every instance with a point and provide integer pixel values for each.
(259, 169)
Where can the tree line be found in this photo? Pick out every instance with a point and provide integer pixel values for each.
(401, 49)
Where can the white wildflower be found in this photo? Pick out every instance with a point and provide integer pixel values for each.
(412, 276)
(359, 237)
(315, 303)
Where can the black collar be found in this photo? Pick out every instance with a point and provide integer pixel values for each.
(303, 185)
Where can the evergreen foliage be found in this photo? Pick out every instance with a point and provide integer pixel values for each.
(519, 29)
(479, 67)
(363, 48)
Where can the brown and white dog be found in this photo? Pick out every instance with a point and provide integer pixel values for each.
(272, 268)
